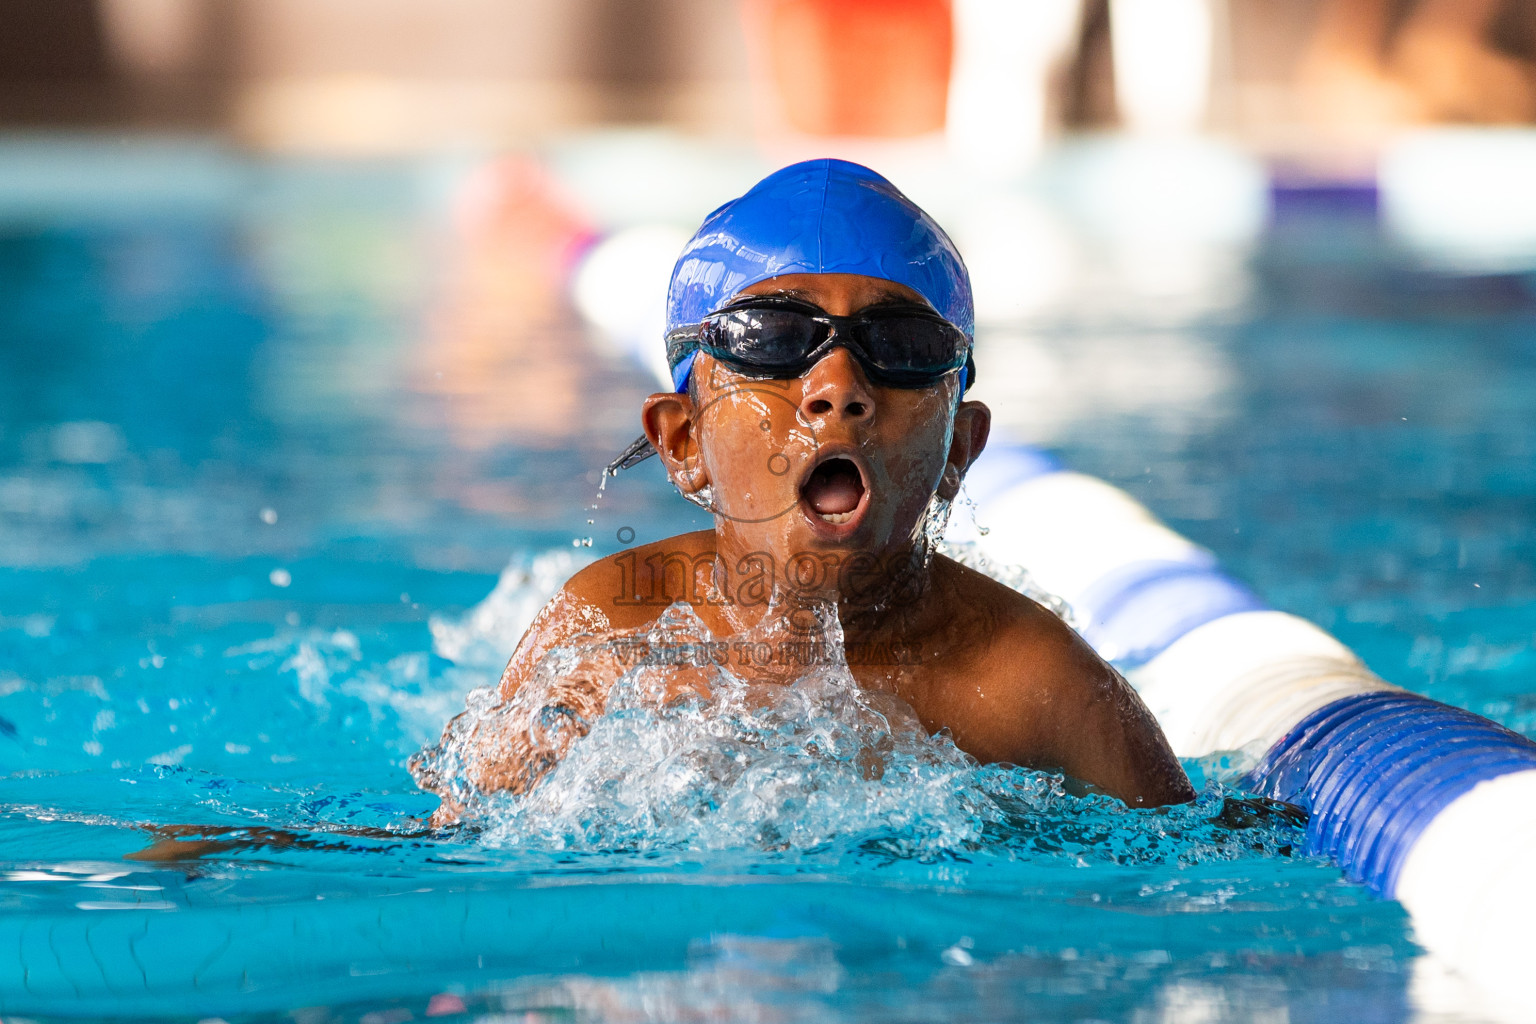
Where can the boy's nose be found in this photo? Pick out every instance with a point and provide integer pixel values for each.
(835, 388)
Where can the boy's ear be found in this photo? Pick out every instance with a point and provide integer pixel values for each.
(973, 423)
(668, 420)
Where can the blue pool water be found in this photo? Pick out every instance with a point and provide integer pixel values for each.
(281, 477)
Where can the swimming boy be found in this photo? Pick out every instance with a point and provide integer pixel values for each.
(819, 336)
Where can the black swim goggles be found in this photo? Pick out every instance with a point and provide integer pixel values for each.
(772, 337)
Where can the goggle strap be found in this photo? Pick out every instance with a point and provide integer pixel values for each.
(637, 452)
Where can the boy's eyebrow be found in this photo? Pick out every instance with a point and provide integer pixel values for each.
(894, 299)
(789, 293)
(888, 297)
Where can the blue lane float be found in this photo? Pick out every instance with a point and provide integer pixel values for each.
(1374, 770)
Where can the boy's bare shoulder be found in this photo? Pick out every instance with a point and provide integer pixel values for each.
(1012, 621)
(1036, 693)
(621, 592)
(632, 587)
(1023, 650)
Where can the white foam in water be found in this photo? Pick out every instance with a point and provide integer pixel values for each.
(335, 683)
(680, 754)
(486, 637)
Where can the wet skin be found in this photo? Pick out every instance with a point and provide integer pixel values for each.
(1007, 678)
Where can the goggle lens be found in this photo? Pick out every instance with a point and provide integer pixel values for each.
(775, 340)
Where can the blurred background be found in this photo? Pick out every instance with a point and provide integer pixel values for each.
(1322, 83)
(301, 294)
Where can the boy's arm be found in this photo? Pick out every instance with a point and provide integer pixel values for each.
(570, 614)
(602, 598)
(500, 754)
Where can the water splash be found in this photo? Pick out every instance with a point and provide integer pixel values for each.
(935, 523)
(681, 755)
(486, 636)
(973, 510)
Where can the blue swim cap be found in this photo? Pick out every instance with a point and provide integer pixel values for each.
(816, 217)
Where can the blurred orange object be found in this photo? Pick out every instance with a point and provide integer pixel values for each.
(855, 67)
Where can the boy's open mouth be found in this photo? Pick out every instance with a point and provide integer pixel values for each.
(834, 490)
